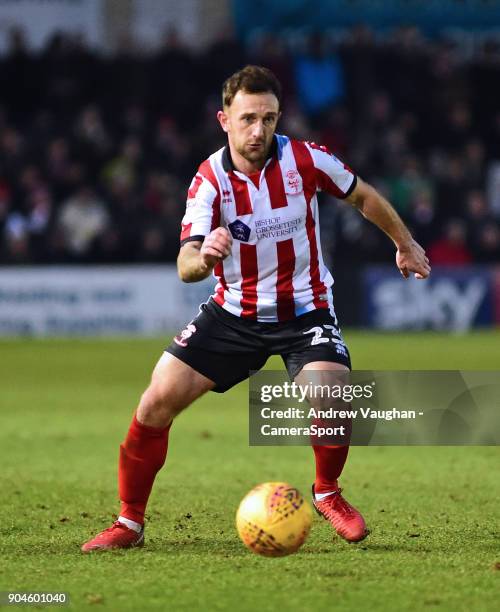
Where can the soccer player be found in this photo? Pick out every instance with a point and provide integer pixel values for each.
(252, 220)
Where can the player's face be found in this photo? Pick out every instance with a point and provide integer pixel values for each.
(250, 123)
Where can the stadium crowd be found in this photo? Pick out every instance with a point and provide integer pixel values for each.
(97, 150)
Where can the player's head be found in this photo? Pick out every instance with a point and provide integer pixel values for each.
(251, 101)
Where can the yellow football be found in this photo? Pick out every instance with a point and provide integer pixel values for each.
(273, 519)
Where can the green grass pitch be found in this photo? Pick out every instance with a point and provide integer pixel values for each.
(65, 407)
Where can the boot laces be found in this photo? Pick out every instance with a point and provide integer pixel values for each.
(115, 525)
(336, 503)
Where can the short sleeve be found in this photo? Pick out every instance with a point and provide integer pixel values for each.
(332, 176)
(202, 207)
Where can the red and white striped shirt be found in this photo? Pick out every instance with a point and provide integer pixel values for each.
(275, 271)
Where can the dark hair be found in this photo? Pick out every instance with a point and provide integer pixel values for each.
(250, 79)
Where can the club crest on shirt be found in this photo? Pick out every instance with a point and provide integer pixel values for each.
(239, 230)
(293, 182)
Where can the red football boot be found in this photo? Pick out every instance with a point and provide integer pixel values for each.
(346, 520)
(116, 536)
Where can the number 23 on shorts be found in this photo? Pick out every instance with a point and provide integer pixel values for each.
(318, 332)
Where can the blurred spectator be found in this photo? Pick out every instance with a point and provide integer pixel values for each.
(39, 214)
(82, 219)
(477, 212)
(417, 118)
(319, 77)
(422, 218)
(407, 183)
(488, 243)
(152, 245)
(451, 187)
(359, 59)
(456, 129)
(484, 231)
(92, 137)
(451, 249)
(173, 81)
(295, 124)
(270, 51)
(404, 69)
(122, 171)
(491, 134)
(335, 130)
(4, 201)
(223, 57)
(474, 159)
(16, 238)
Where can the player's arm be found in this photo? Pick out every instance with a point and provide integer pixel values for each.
(410, 256)
(197, 259)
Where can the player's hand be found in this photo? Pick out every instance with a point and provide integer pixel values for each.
(216, 247)
(410, 258)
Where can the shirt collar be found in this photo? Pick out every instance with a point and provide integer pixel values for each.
(227, 162)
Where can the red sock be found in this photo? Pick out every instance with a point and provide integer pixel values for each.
(330, 462)
(141, 456)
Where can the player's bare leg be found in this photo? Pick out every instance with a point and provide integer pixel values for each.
(327, 498)
(174, 386)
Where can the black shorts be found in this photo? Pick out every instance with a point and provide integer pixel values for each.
(225, 348)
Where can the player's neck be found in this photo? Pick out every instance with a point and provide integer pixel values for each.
(243, 165)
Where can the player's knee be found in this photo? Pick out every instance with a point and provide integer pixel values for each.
(320, 402)
(159, 401)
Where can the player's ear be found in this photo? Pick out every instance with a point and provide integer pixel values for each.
(223, 120)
